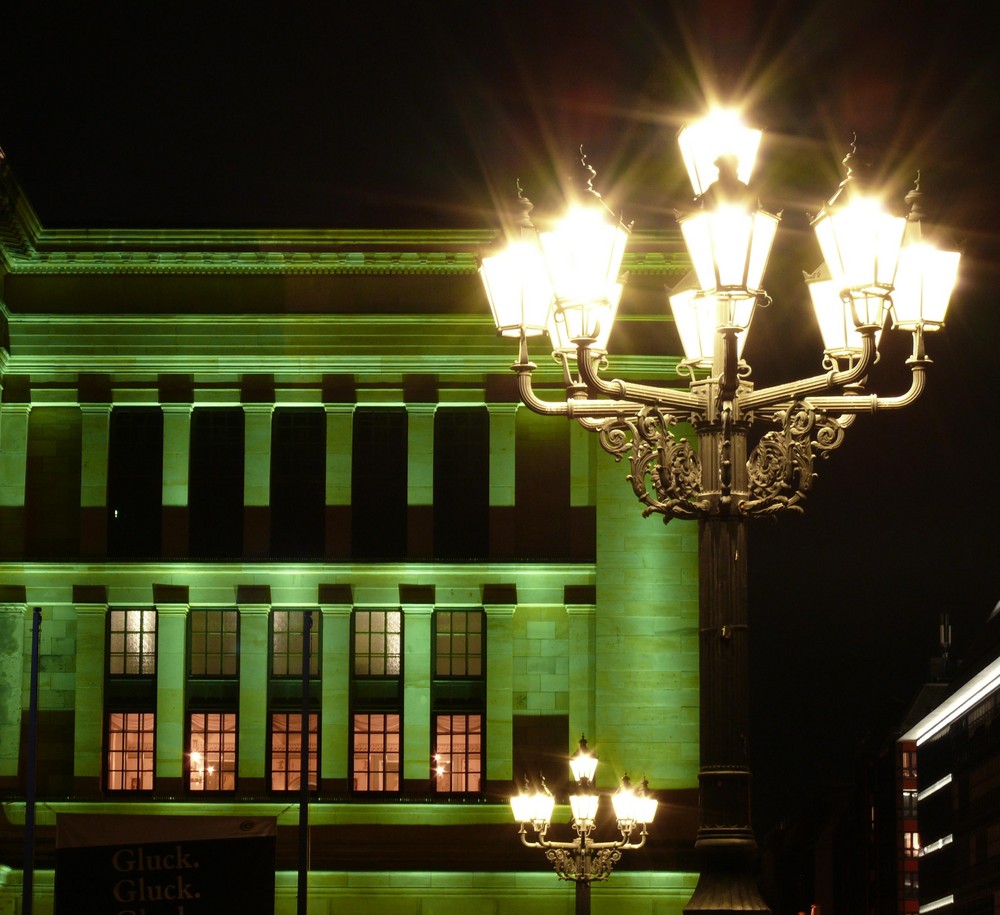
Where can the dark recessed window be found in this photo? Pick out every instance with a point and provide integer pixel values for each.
(52, 483)
(461, 482)
(298, 483)
(135, 483)
(378, 484)
(215, 494)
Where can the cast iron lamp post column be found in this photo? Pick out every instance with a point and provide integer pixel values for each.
(584, 860)
(565, 282)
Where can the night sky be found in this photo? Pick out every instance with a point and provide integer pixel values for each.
(423, 114)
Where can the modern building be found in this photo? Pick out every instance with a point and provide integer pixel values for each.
(951, 760)
(210, 440)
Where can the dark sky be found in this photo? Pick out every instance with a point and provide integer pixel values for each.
(422, 114)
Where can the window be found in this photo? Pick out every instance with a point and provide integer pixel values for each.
(461, 483)
(298, 483)
(458, 643)
(458, 753)
(215, 644)
(377, 643)
(378, 484)
(288, 641)
(130, 751)
(215, 485)
(132, 643)
(286, 751)
(212, 751)
(375, 753)
(135, 482)
(911, 844)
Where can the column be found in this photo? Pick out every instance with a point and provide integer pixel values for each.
(416, 697)
(176, 465)
(95, 436)
(582, 668)
(12, 659)
(499, 693)
(420, 480)
(89, 731)
(339, 458)
(502, 478)
(335, 730)
(171, 639)
(254, 732)
(583, 447)
(13, 466)
(257, 480)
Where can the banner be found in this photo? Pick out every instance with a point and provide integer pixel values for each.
(164, 865)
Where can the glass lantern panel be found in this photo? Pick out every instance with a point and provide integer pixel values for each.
(720, 133)
(860, 244)
(584, 254)
(518, 289)
(924, 282)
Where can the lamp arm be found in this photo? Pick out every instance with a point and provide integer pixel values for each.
(872, 403)
(588, 361)
(794, 390)
(574, 408)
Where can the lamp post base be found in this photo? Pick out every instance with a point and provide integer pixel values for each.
(727, 882)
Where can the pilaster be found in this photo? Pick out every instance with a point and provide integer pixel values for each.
(176, 463)
(13, 467)
(420, 480)
(335, 730)
(95, 436)
(12, 655)
(499, 692)
(582, 671)
(253, 722)
(416, 697)
(339, 457)
(503, 450)
(171, 636)
(257, 479)
(89, 729)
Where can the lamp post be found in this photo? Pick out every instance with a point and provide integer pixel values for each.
(876, 270)
(584, 860)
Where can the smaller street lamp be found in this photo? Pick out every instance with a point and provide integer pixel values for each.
(583, 860)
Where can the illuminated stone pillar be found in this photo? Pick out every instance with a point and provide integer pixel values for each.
(176, 464)
(646, 640)
(582, 671)
(171, 637)
(13, 466)
(335, 730)
(257, 479)
(420, 480)
(88, 734)
(418, 605)
(339, 457)
(253, 724)
(499, 692)
(12, 658)
(503, 446)
(95, 435)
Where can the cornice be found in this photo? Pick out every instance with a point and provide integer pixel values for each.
(30, 249)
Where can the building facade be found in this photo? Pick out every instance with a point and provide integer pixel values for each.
(219, 446)
(952, 758)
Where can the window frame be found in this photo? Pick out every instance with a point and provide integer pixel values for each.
(143, 653)
(438, 756)
(196, 612)
(147, 730)
(385, 754)
(386, 654)
(290, 754)
(436, 637)
(235, 753)
(315, 642)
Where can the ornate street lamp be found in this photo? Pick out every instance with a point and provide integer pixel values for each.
(584, 860)
(721, 482)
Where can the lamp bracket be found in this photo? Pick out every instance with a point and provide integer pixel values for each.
(780, 467)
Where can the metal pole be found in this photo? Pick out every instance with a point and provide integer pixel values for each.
(28, 877)
(304, 846)
(582, 897)
(726, 844)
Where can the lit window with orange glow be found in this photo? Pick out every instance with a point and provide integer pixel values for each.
(212, 754)
(130, 751)
(458, 754)
(286, 752)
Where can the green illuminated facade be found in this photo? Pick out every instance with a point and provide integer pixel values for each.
(205, 435)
